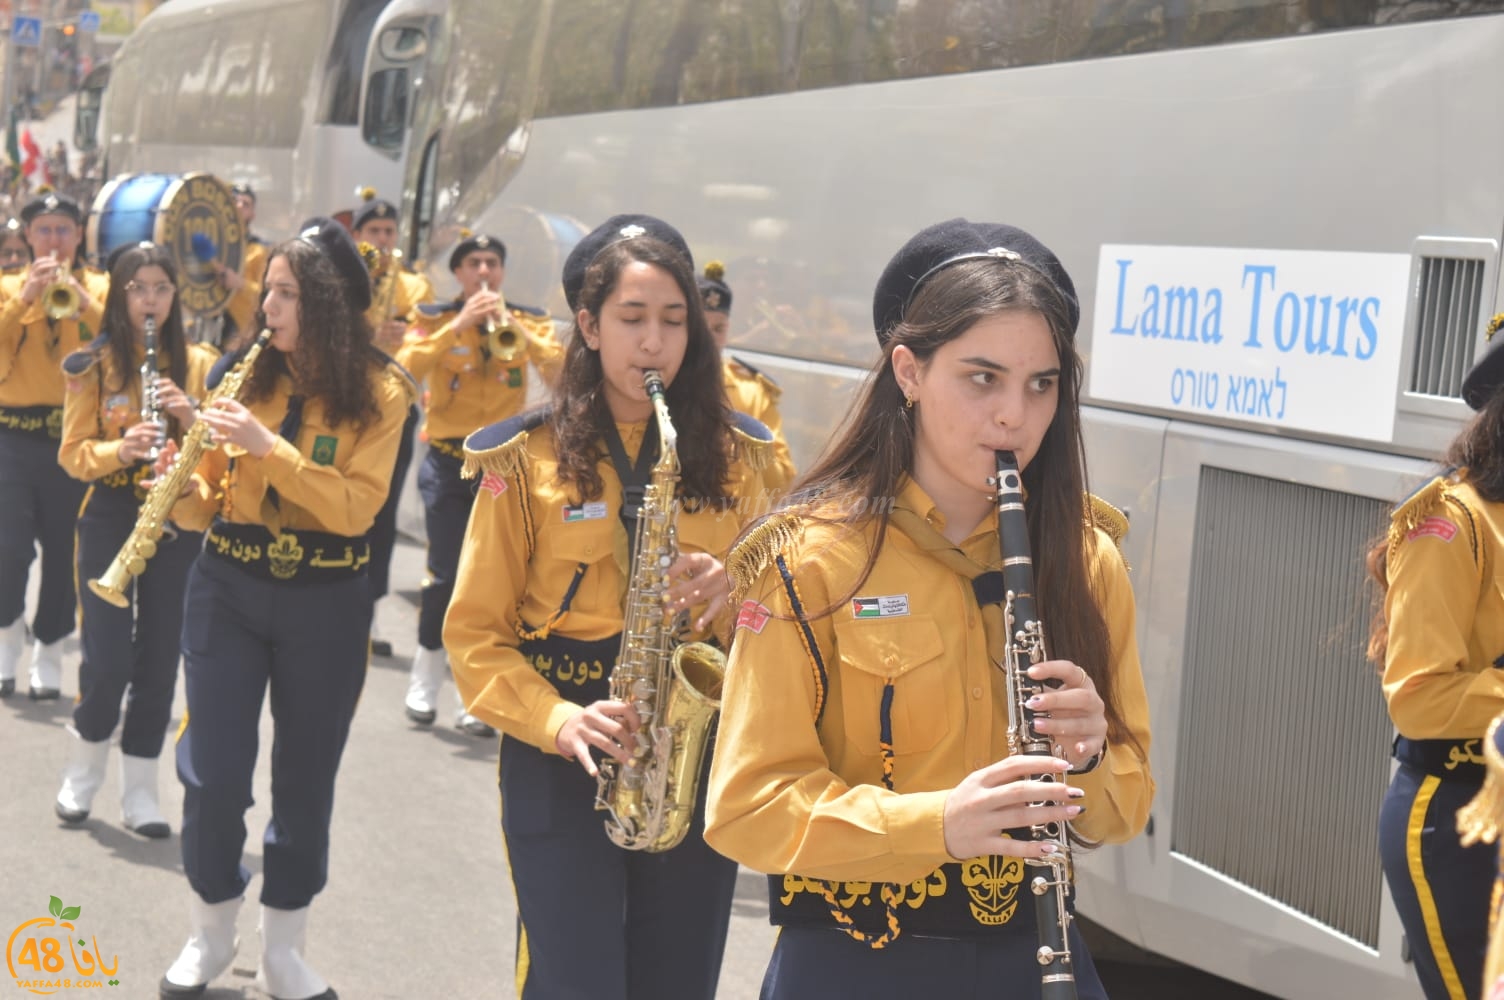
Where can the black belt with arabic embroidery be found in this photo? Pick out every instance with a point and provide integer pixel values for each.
(33, 421)
(295, 556)
(1455, 760)
(980, 897)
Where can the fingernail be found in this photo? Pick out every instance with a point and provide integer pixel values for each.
(1078, 793)
(1074, 810)
(1035, 701)
(1048, 849)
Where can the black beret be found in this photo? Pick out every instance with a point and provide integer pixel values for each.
(1488, 374)
(243, 188)
(336, 243)
(115, 254)
(51, 203)
(714, 291)
(470, 244)
(374, 209)
(943, 244)
(614, 230)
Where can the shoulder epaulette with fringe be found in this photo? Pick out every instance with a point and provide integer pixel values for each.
(526, 310)
(80, 361)
(434, 309)
(1416, 507)
(500, 447)
(1480, 820)
(224, 364)
(766, 380)
(1104, 515)
(754, 442)
(755, 552)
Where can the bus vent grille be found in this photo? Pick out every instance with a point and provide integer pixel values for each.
(1283, 753)
(1448, 306)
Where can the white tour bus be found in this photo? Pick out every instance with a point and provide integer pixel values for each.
(262, 91)
(1284, 220)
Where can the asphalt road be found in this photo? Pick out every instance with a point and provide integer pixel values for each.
(419, 903)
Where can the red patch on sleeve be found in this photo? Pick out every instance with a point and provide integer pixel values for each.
(752, 616)
(1437, 527)
(493, 484)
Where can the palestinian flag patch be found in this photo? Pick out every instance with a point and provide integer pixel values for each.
(880, 607)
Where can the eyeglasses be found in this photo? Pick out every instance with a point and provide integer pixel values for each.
(60, 231)
(140, 291)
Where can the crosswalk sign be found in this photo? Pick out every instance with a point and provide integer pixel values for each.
(26, 31)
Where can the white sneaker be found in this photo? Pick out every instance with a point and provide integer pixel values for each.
(82, 776)
(46, 670)
(283, 973)
(430, 668)
(12, 645)
(209, 951)
(139, 807)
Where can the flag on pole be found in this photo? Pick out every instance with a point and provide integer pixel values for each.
(13, 141)
(33, 167)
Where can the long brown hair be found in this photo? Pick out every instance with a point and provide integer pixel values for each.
(696, 399)
(120, 334)
(847, 484)
(333, 360)
(1477, 453)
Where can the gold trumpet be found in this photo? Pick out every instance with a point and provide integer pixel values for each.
(502, 339)
(59, 299)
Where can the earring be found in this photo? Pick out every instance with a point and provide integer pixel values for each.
(908, 401)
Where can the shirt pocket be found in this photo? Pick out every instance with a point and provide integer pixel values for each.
(908, 651)
(565, 546)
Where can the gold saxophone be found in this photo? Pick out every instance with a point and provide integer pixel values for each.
(675, 687)
(131, 560)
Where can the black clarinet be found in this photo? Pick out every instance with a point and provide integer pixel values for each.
(1051, 883)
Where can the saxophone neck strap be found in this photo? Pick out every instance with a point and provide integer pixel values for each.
(634, 477)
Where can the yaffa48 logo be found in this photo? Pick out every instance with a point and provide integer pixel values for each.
(49, 954)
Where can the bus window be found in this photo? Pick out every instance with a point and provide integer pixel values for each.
(427, 191)
(402, 44)
(347, 56)
(385, 119)
(86, 109)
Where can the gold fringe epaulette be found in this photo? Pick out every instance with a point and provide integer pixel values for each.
(756, 551)
(757, 453)
(1479, 821)
(506, 459)
(1101, 514)
(1414, 509)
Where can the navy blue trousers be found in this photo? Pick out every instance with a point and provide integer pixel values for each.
(447, 500)
(1440, 888)
(383, 534)
(134, 648)
(813, 963)
(305, 643)
(38, 504)
(598, 922)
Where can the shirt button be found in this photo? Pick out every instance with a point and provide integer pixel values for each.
(976, 692)
(590, 550)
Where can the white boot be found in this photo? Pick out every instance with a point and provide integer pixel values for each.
(469, 724)
(282, 972)
(46, 670)
(430, 668)
(82, 776)
(138, 797)
(12, 645)
(209, 951)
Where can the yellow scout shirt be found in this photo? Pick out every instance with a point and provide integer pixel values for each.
(398, 296)
(753, 393)
(96, 414)
(329, 478)
(1482, 821)
(468, 389)
(1445, 612)
(32, 348)
(789, 795)
(525, 539)
(247, 298)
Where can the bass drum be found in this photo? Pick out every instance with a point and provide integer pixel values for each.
(193, 215)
